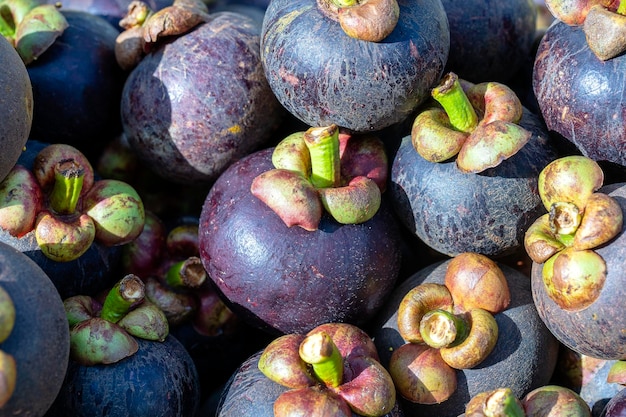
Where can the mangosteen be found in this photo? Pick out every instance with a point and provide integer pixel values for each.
(278, 378)
(159, 379)
(39, 341)
(587, 321)
(523, 357)
(16, 106)
(77, 86)
(473, 188)
(323, 74)
(490, 41)
(200, 101)
(579, 94)
(286, 264)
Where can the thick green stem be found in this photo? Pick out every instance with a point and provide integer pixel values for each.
(319, 350)
(68, 175)
(440, 328)
(189, 273)
(621, 9)
(121, 297)
(454, 101)
(323, 145)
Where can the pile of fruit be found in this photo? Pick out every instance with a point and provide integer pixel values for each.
(312, 207)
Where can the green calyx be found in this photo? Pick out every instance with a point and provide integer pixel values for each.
(103, 334)
(307, 178)
(477, 123)
(31, 26)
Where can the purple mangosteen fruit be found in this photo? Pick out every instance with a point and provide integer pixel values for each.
(324, 70)
(490, 307)
(578, 93)
(77, 85)
(198, 101)
(490, 41)
(465, 180)
(577, 249)
(38, 341)
(16, 106)
(331, 370)
(287, 255)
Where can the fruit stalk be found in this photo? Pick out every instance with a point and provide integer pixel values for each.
(121, 297)
(323, 145)
(68, 184)
(319, 350)
(454, 101)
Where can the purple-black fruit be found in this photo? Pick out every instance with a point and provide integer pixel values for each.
(323, 76)
(523, 358)
(77, 86)
(490, 41)
(16, 106)
(39, 340)
(288, 279)
(487, 212)
(580, 96)
(201, 101)
(160, 379)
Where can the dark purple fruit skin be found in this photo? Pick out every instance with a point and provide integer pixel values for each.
(616, 407)
(580, 96)
(596, 331)
(322, 76)
(189, 125)
(523, 359)
(489, 41)
(40, 339)
(16, 106)
(160, 379)
(111, 10)
(249, 393)
(454, 212)
(289, 280)
(92, 272)
(77, 86)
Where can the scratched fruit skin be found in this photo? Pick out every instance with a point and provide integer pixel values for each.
(201, 101)
(323, 76)
(580, 96)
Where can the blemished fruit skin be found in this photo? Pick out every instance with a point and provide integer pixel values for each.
(200, 102)
(580, 96)
(322, 76)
